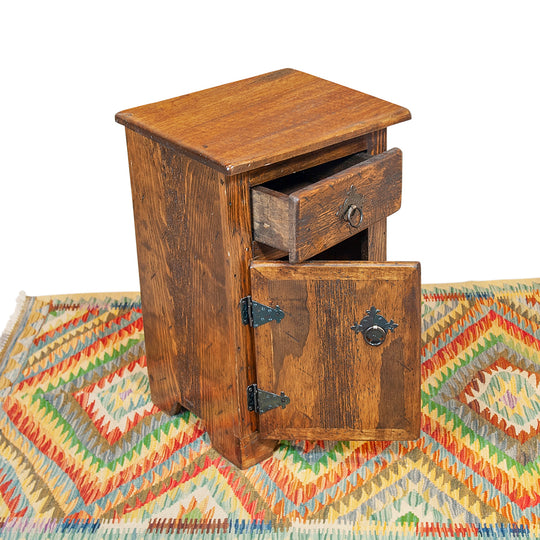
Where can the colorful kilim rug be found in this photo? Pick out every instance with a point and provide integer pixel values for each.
(84, 453)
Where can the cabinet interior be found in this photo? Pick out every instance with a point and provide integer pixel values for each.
(354, 248)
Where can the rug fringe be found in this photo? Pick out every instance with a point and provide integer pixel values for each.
(193, 529)
(19, 308)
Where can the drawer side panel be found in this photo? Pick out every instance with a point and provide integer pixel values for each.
(270, 217)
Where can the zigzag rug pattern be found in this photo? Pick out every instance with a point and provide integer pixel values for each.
(84, 453)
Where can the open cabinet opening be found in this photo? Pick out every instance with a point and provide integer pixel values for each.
(354, 248)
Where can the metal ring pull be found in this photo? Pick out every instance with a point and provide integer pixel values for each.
(350, 210)
(374, 327)
(354, 216)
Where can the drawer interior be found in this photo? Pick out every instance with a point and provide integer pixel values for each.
(295, 181)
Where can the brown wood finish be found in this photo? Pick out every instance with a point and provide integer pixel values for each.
(263, 120)
(271, 219)
(313, 159)
(376, 247)
(376, 239)
(195, 353)
(193, 163)
(307, 221)
(339, 386)
(262, 251)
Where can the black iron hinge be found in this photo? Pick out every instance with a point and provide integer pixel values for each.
(261, 401)
(256, 314)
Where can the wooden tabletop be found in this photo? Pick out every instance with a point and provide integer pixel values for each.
(262, 120)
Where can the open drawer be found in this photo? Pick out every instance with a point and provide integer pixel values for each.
(310, 211)
(337, 349)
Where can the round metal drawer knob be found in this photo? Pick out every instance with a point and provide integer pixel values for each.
(354, 216)
(375, 335)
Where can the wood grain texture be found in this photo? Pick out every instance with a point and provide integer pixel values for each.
(305, 161)
(262, 251)
(308, 222)
(339, 386)
(315, 222)
(376, 246)
(376, 238)
(271, 220)
(194, 162)
(193, 246)
(262, 120)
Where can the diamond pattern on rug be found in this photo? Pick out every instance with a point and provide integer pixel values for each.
(417, 489)
(117, 403)
(508, 397)
(81, 440)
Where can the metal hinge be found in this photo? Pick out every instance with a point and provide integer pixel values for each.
(256, 314)
(261, 401)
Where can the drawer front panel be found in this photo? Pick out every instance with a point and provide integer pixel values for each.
(319, 215)
(323, 214)
(345, 351)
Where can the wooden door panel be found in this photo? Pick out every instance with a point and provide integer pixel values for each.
(339, 386)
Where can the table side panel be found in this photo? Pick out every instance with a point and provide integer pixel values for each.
(179, 277)
(194, 246)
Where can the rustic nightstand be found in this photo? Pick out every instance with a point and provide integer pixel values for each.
(260, 216)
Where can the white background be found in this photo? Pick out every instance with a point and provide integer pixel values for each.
(467, 70)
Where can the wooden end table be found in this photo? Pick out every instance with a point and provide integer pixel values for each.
(269, 310)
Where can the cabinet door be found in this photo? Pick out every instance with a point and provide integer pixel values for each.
(346, 351)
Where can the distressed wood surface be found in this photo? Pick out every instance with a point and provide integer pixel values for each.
(339, 386)
(305, 161)
(193, 162)
(193, 246)
(262, 251)
(376, 238)
(263, 120)
(308, 221)
(271, 219)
